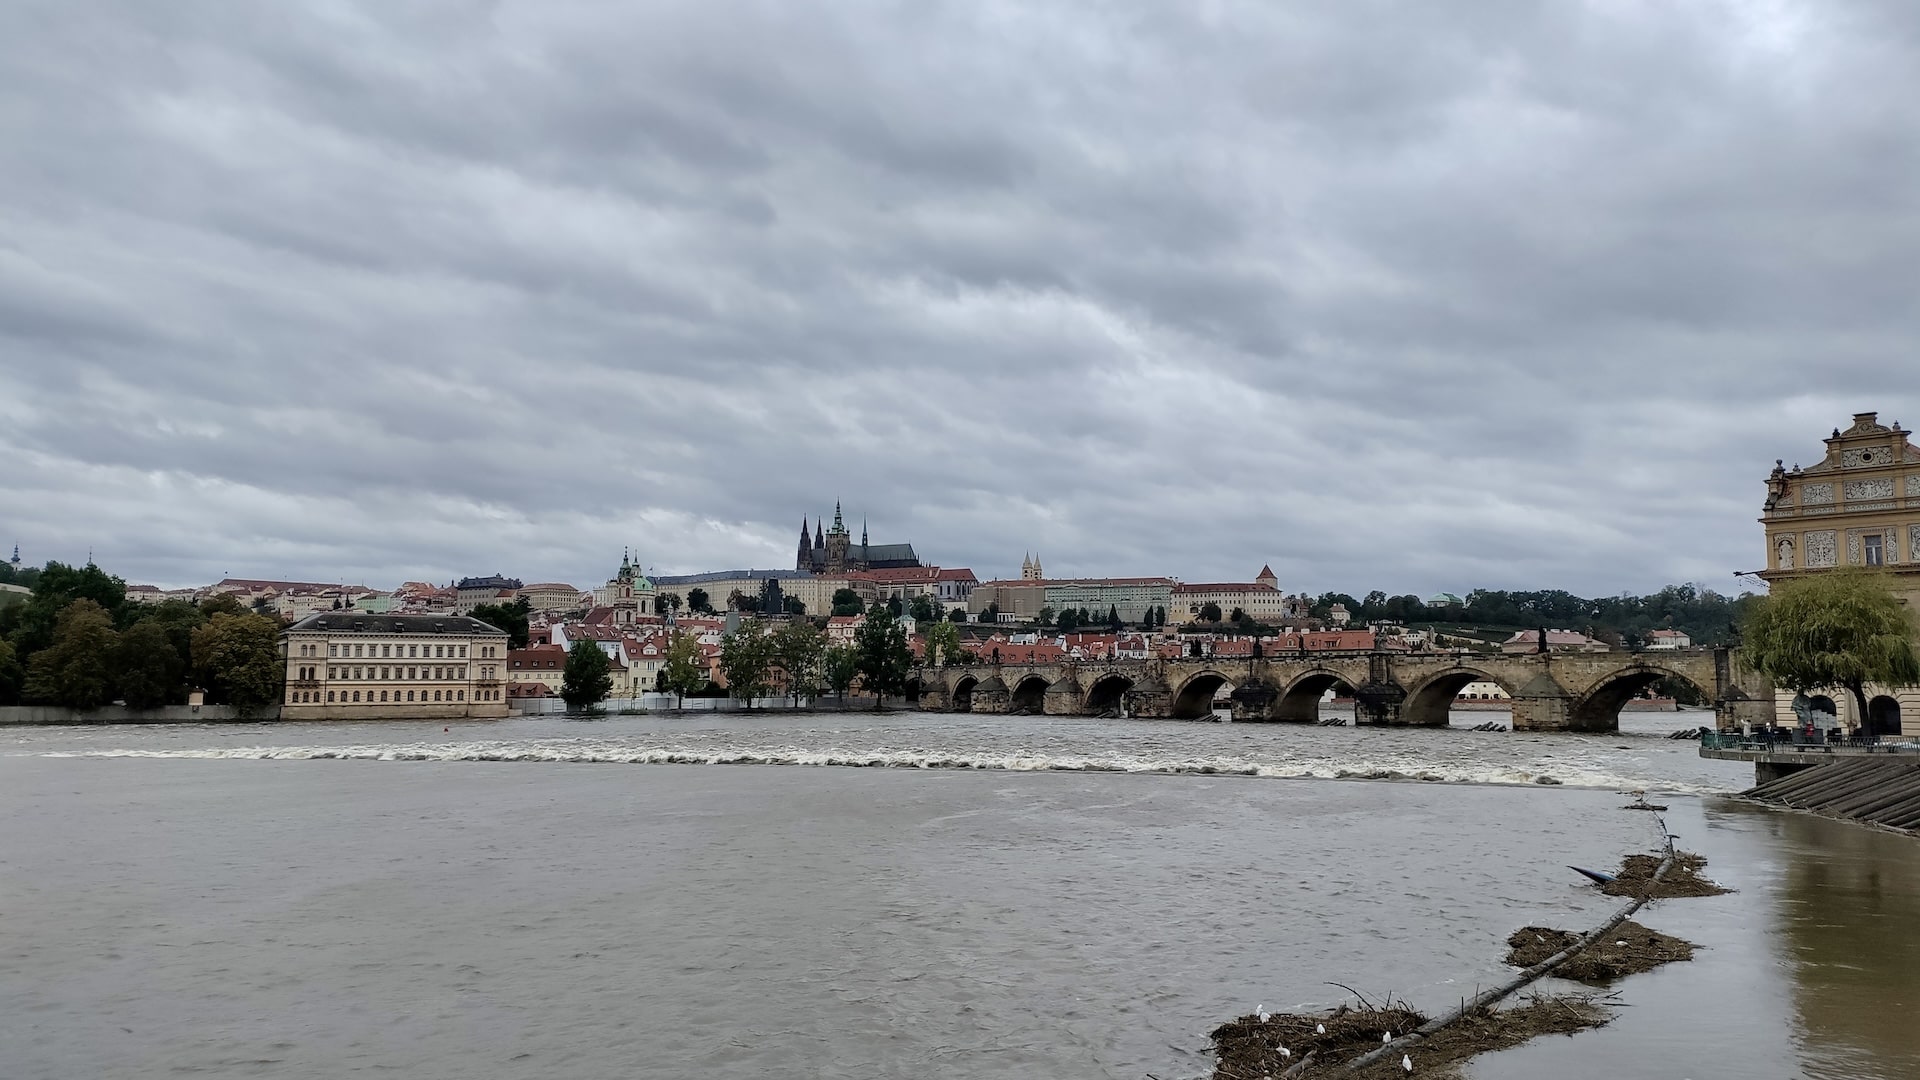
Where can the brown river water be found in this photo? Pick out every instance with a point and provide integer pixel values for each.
(1006, 897)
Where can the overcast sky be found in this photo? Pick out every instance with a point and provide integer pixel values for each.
(1400, 296)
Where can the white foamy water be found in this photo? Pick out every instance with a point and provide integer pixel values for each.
(1632, 759)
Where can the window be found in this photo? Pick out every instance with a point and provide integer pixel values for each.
(436, 695)
(329, 697)
(409, 695)
(460, 695)
(356, 697)
(383, 697)
(413, 651)
(1873, 549)
(332, 649)
(463, 652)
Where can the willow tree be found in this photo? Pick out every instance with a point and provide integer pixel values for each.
(1839, 628)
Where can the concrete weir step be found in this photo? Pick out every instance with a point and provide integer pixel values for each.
(1881, 792)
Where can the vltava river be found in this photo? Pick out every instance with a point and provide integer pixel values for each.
(1022, 897)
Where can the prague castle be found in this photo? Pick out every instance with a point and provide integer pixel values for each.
(835, 553)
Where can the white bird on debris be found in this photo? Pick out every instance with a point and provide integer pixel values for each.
(1406, 1062)
(1319, 1029)
(1386, 1037)
(1286, 1053)
(1262, 1013)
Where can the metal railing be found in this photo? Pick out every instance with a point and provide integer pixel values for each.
(1782, 739)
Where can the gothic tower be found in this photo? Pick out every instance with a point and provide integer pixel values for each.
(804, 561)
(838, 541)
(1030, 569)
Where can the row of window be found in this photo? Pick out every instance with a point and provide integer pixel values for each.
(370, 673)
(390, 651)
(312, 697)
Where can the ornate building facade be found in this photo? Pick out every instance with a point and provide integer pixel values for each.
(1859, 505)
(834, 551)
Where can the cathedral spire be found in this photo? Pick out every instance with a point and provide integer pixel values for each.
(837, 526)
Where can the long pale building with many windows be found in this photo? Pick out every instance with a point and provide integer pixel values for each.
(346, 665)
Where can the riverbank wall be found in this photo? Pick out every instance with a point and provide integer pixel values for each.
(1871, 791)
(47, 715)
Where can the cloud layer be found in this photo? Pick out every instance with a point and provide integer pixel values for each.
(1416, 299)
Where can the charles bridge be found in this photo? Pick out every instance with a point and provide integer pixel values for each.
(1549, 691)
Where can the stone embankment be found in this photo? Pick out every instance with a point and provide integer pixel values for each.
(19, 715)
(1884, 792)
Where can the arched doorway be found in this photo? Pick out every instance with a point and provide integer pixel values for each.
(1300, 703)
(1883, 716)
(1195, 699)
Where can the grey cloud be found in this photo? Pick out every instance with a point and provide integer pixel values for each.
(1400, 297)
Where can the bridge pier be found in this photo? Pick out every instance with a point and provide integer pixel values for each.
(1254, 701)
(1545, 705)
(1063, 697)
(1377, 702)
(992, 697)
(1150, 698)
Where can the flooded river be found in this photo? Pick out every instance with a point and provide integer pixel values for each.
(1014, 897)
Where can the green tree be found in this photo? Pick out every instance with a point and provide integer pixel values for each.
(30, 625)
(511, 617)
(957, 615)
(923, 609)
(840, 665)
(1045, 617)
(1160, 616)
(666, 603)
(797, 649)
(588, 677)
(11, 674)
(886, 662)
(746, 658)
(1068, 620)
(1210, 612)
(148, 671)
(178, 619)
(698, 601)
(1841, 628)
(684, 670)
(1113, 618)
(236, 658)
(847, 602)
(1237, 615)
(76, 670)
(223, 604)
(943, 643)
(796, 607)
(991, 613)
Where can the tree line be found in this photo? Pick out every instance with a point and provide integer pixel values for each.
(1705, 616)
(793, 657)
(78, 642)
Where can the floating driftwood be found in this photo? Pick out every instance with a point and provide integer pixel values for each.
(1628, 950)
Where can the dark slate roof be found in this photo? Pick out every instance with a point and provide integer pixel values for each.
(492, 581)
(728, 575)
(359, 622)
(886, 556)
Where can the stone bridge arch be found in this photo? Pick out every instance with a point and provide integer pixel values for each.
(1597, 706)
(1028, 693)
(1106, 693)
(1193, 700)
(960, 697)
(1430, 700)
(1299, 702)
